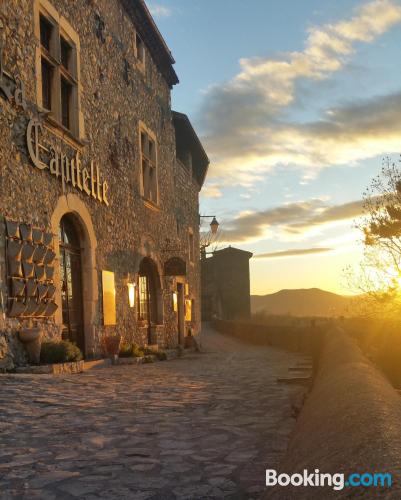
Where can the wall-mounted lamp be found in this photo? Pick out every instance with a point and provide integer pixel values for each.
(131, 294)
(175, 301)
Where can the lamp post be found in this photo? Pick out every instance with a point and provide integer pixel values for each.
(214, 226)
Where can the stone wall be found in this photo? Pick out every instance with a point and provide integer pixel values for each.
(304, 338)
(349, 423)
(116, 96)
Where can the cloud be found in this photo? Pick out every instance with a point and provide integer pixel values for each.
(246, 133)
(211, 191)
(329, 214)
(292, 218)
(296, 252)
(159, 11)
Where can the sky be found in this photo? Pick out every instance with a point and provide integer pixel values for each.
(296, 103)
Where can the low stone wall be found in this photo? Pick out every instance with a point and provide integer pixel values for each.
(53, 369)
(304, 338)
(349, 423)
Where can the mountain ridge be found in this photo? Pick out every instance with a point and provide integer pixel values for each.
(303, 302)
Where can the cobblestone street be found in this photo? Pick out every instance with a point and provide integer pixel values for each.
(205, 426)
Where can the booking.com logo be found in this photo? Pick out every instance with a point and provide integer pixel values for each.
(337, 481)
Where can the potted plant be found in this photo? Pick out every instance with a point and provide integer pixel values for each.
(111, 345)
(31, 337)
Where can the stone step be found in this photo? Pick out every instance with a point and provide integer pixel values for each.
(53, 369)
(97, 364)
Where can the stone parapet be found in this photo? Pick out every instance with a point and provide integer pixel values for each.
(349, 423)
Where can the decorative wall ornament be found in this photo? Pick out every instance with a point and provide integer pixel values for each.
(31, 287)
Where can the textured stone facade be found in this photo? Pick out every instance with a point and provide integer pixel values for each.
(117, 95)
(226, 285)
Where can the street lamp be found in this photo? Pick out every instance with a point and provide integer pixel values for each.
(214, 225)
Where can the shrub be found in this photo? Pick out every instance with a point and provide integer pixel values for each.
(125, 351)
(59, 352)
(130, 350)
(148, 351)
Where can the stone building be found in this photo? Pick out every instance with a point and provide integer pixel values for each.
(99, 179)
(226, 285)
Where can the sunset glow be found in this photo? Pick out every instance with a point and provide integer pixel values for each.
(295, 121)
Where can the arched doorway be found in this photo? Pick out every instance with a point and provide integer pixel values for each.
(149, 290)
(71, 281)
(72, 206)
(177, 268)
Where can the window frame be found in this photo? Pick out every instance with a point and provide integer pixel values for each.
(152, 162)
(140, 58)
(143, 299)
(147, 310)
(62, 33)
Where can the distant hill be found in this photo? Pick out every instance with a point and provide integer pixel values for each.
(302, 302)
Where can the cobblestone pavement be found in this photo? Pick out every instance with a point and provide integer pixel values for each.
(205, 426)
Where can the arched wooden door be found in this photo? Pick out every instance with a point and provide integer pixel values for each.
(149, 296)
(71, 283)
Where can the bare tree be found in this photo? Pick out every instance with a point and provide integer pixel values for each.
(211, 241)
(378, 279)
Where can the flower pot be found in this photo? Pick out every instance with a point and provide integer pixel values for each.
(32, 339)
(111, 345)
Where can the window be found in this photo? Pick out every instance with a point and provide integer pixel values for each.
(149, 187)
(47, 80)
(147, 290)
(66, 52)
(188, 310)
(57, 62)
(143, 309)
(46, 31)
(66, 92)
(191, 246)
(140, 50)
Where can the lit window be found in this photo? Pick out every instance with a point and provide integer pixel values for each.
(147, 304)
(143, 309)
